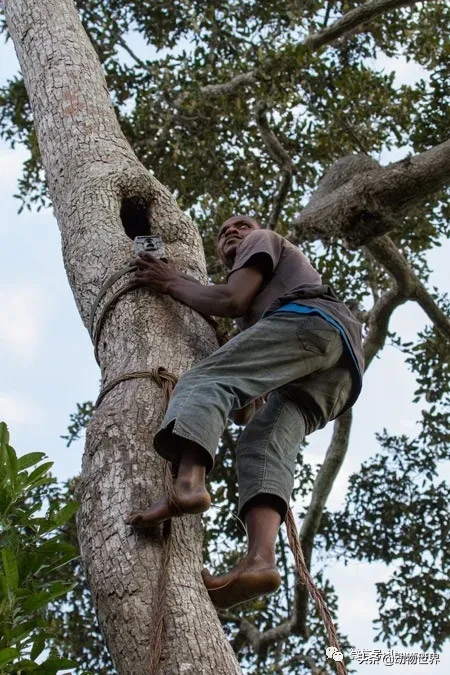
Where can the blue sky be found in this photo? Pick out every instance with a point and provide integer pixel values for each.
(47, 365)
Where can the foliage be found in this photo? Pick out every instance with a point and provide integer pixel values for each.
(396, 511)
(34, 554)
(79, 421)
(78, 632)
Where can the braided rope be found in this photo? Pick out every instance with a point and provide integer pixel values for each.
(166, 381)
(103, 290)
(305, 577)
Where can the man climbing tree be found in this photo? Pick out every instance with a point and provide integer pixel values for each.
(299, 345)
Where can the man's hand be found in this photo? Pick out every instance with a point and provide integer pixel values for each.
(153, 272)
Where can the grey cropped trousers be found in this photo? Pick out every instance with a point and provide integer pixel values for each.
(299, 362)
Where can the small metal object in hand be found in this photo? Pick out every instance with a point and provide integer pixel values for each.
(151, 243)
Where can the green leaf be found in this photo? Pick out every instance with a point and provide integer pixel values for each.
(25, 664)
(11, 464)
(56, 546)
(10, 568)
(53, 665)
(38, 647)
(4, 434)
(60, 588)
(3, 584)
(30, 459)
(6, 499)
(35, 601)
(7, 655)
(42, 481)
(20, 631)
(38, 472)
(65, 513)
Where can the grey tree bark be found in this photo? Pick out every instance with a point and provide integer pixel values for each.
(91, 172)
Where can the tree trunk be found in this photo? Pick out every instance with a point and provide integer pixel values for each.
(92, 173)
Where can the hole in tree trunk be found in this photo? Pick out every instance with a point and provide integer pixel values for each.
(134, 216)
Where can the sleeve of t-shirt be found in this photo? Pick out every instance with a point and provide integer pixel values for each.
(263, 247)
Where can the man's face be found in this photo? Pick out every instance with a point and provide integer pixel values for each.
(230, 235)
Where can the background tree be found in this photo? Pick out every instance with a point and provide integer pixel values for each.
(35, 555)
(242, 111)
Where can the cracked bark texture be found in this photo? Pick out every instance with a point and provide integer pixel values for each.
(91, 170)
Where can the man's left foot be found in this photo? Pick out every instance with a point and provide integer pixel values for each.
(192, 502)
(252, 578)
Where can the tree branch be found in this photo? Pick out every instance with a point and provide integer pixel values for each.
(348, 127)
(231, 87)
(386, 253)
(321, 490)
(283, 191)
(351, 20)
(326, 18)
(378, 323)
(432, 310)
(137, 60)
(273, 146)
(280, 155)
(408, 283)
(325, 480)
(369, 205)
(371, 275)
(246, 629)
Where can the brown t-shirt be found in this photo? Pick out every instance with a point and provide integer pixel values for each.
(290, 277)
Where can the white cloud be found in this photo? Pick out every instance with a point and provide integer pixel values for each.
(22, 308)
(14, 410)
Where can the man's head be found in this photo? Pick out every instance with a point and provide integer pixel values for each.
(230, 235)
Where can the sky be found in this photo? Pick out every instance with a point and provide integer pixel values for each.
(47, 366)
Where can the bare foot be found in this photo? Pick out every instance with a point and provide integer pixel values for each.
(252, 578)
(165, 508)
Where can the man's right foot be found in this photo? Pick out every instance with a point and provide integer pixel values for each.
(251, 579)
(166, 508)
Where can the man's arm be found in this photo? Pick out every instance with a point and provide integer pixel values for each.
(231, 299)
